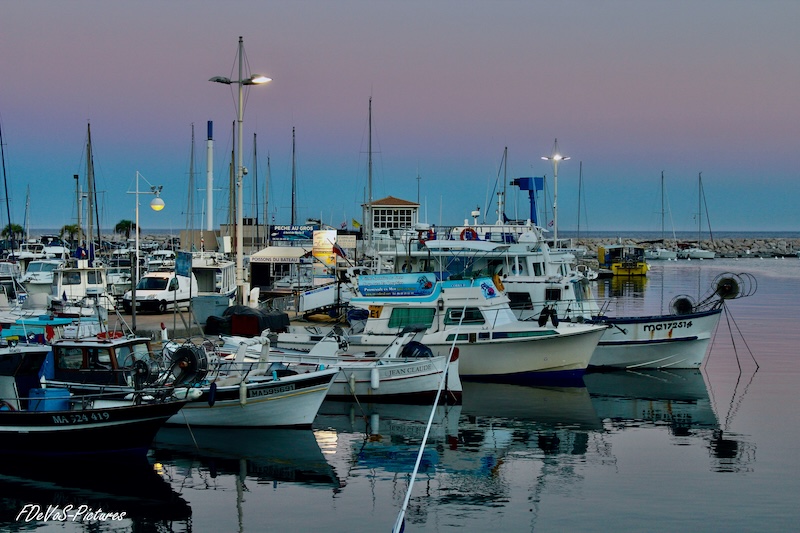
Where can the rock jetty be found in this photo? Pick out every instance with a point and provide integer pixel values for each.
(747, 247)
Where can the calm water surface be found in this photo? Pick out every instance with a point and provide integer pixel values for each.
(710, 450)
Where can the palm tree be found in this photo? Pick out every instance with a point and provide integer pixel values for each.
(124, 227)
(13, 231)
(70, 230)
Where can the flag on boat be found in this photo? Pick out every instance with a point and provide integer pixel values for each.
(356, 224)
(338, 250)
(64, 296)
(550, 224)
(344, 225)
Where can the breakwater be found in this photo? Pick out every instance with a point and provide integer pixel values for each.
(725, 247)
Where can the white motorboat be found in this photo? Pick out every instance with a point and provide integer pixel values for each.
(474, 315)
(660, 254)
(76, 284)
(540, 283)
(406, 371)
(38, 277)
(246, 394)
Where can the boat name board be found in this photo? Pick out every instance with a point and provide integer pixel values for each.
(419, 369)
(668, 325)
(255, 393)
(81, 418)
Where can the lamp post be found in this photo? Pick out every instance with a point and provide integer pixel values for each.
(555, 157)
(156, 204)
(255, 79)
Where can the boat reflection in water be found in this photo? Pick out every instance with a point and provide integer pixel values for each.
(126, 493)
(271, 455)
(677, 400)
(383, 436)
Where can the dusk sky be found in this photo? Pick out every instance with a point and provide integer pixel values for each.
(630, 89)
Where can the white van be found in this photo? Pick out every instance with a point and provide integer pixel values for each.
(160, 291)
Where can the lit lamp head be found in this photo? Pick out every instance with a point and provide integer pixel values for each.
(257, 79)
(157, 204)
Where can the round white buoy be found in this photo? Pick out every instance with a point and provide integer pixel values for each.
(374, 378)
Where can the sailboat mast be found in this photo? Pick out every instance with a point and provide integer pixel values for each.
(79, 205)
(369, 177)
(580, 187)
(699, 207)
(5, 184)
(662, 205)
(502, 208)
(28, 213)
(294, 181)
(232, 191)
(705, 205)
(266, 202)
(90, 189)
(255, 187)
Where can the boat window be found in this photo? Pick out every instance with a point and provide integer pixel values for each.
(100, 358)
(126, 355)
(520, 300)
(94, 278)
(472, 315)
(405, 317)
(69, 358)
(72, 278)
(552, 294)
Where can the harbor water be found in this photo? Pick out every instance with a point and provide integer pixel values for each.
(670, 450)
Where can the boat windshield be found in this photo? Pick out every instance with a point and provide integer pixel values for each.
(35, 266)
(152, 284)
(130, 353)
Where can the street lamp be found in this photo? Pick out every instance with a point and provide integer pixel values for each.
(255, 79)
(555, 158)
(156, 204)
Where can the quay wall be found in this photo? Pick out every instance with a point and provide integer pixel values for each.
(726, 247)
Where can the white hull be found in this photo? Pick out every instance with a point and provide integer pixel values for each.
(292, 401)
(661, 254)
(387, 379)
(697, 253)
(671, 341)
(566, 349)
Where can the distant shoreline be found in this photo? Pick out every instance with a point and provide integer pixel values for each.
(562, 233)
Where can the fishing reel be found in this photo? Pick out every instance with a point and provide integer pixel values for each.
(682, 305)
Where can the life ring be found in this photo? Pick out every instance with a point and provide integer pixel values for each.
(426, 235)
(498, 283)
(6, 406)
(469, 234)
(109, 335)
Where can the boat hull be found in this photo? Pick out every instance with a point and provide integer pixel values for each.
(291, 401)
(390, 380)
(127, 430)
(515, 354)
(666, 341)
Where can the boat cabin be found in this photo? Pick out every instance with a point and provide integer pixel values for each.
(19, 373)
(623, 259)
(107, 358)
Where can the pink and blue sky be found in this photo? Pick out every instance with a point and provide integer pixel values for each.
(629, 88)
